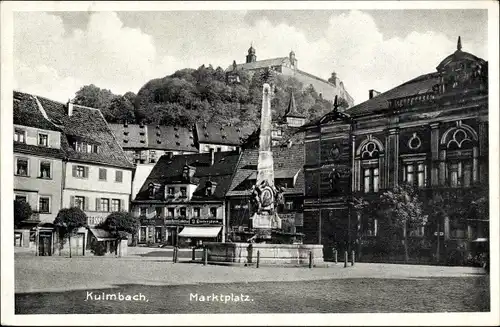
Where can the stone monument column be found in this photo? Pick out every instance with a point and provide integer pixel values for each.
(265, 195)
(265, 171)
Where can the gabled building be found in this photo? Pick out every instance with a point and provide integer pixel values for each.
(431, 132)
(65, 156)
(97, 175)
(288, 174)
(182, 201)
(288, 66)
(38, 171)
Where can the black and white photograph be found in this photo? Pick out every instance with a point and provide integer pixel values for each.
(178, 162)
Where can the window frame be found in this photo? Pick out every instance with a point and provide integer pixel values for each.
(45, 162)
(79, 200)
(46, 197)
(196, 212)
(102, 205)
(16, 172)
(17, 133)
(46, 135)
(212, 215)
(118, 173)
(113, 205)
(105, 174)
(183, 194)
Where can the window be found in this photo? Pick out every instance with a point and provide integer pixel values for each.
(371, 180)
(415, 173)
(80, 202)
(183, 192)
(143, 211)
(21, 198)
(219, 149)
(289, 205)
(22, 167)
(158, 211)
(143, 230)
(44, 169)
(152, 156)
(460, 173)
(85, 147)
(370, 227)
(102, 174)
(170, 212)
(44, 204)
(115, 205)
(182, 212)
(196, 212)
(43, 140)
(119, 176)
(209, 191)
(213, 212)
(171, 191)
(104, 205)
(19, 136)
(80, 171)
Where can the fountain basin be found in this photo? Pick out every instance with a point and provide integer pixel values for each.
(269, 254)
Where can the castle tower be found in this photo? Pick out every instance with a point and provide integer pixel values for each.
(293, 60)
(251, 57)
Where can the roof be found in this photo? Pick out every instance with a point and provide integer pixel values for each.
(26, 112)
(171, 138)
(288, 162)
(260, 64)
(291, 110)
(220, 134)
(419, 85)
(101, 234)
(167, 170)
(38, 150)
(89, 124)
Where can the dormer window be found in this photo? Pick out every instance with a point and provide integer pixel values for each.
(176, 135)
(43, 139)
(85, 147)
(19, 136)
(158, 133)
(142, 133)
(210, 188)
(125, 133)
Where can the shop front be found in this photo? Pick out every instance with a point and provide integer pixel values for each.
(199, 231)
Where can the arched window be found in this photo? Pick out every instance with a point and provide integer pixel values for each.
(368, 156)
(459, 148)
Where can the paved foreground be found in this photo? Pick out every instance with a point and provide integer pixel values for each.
(63, 285)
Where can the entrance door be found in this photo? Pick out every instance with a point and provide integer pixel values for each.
(158, 238)
(45, 244)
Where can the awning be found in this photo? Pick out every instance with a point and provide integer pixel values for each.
(200, 231)
(102, 235)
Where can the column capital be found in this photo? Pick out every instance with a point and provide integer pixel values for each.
(392, 131)
(434, 125)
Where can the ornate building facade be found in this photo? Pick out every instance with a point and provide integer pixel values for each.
(431, 132)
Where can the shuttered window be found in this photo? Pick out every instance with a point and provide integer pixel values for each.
(119, 176)
(102, 174)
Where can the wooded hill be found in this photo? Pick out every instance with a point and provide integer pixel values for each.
(203, 95)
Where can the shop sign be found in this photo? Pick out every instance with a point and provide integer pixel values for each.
(210, 221)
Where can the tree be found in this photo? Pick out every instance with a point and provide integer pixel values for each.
(404, 210)
(120, 224)
(68, 221)
(22, 211)
(360, 206)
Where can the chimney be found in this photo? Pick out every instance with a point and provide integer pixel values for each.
(372, 94)
(69, 107)
(212, 155)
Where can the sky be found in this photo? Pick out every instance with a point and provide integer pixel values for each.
(56, 53)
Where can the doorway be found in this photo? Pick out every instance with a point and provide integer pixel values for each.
(45, 244)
